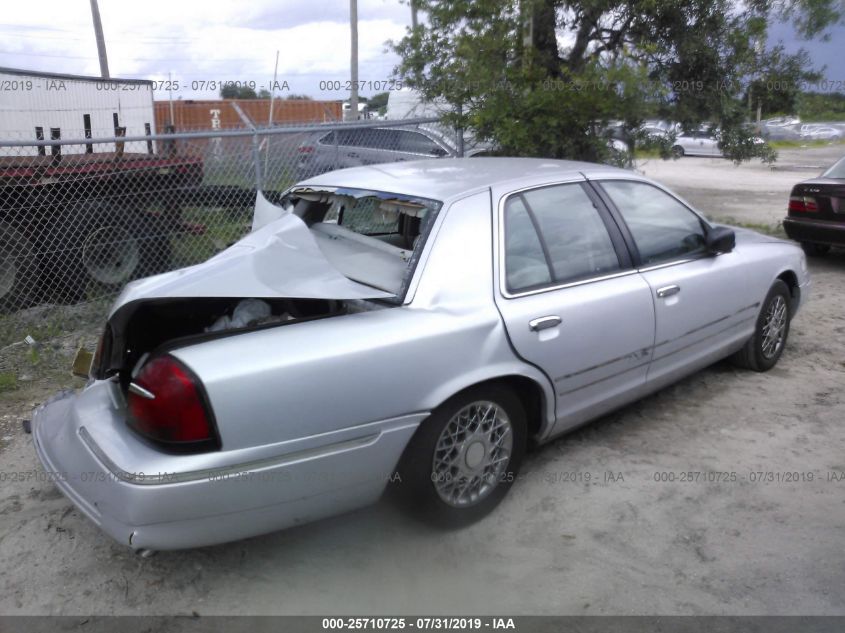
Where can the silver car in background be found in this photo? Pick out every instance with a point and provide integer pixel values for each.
(339, 149)
(412, 325)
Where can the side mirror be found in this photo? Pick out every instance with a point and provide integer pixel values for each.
(438, 151)
(720, 239)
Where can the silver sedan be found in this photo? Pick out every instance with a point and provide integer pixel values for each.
(411, 326)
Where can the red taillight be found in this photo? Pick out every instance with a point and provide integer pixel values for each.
(165, 405)
(803, 204)
(305, 149)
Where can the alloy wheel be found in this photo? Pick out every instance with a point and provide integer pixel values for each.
(472, 454)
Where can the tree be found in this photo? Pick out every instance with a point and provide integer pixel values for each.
(378, 102)
(778, 82)
(502, 66)
(233, 91)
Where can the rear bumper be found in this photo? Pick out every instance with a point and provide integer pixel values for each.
(183, 501)
(815, 231)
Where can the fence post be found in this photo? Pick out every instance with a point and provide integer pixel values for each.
(336, 149)
(119, 146)
(256, 161)
(169, 145)
(56, 149)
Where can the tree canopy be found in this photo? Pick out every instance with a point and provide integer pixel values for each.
(549, 77)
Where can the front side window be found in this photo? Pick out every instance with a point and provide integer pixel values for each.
(555, 234)
(663, 229)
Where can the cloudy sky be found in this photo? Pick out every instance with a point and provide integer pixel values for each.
(205, 40)
(211, 40)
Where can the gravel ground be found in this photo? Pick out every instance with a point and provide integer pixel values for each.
(752, 192)
(623, 542)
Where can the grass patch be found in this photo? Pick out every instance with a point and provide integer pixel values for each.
(790, 144)
(651, 152)
(8, 381)
(775, 230)
(222, 228)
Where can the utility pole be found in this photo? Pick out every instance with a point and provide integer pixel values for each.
(414, 20)
(353, 25)
(101, 41)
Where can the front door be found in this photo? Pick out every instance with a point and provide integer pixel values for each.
(701, 301)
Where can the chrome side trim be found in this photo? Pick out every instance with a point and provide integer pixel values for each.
(145, 479)
(643, 353)
(508, 295)
(675, 262)
(140, 391)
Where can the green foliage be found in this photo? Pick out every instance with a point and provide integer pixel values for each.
(8, 381)
(233, 91)
(378, 102)
(815, 106)
(500, 64)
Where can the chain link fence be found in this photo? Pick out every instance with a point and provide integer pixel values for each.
(80, 218)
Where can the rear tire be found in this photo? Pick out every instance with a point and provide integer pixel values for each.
(764, 348)
(677, 151)
(815, 250)
(464, 458)
(106, 248)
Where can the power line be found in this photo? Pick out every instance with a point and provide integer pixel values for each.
(119, 37)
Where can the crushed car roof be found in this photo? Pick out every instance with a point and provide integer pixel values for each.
(445, 178)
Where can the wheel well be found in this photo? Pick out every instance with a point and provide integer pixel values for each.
(530, 395)
(791, 280)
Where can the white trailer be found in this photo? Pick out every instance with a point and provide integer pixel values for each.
(40, 106)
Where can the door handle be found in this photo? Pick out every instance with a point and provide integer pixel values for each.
(668, 291)
(352, 155)
(543, 323)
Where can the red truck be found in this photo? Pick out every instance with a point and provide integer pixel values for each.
(95, 219)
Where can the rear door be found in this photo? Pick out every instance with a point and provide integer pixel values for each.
(571, 301)
(700, 300)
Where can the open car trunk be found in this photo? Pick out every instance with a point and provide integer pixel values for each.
(153, 326)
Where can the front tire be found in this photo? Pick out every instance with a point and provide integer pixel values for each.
(464, 458)
(764, 348)
(677, 151)
(19, 270)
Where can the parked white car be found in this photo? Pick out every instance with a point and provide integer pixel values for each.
(821, 133)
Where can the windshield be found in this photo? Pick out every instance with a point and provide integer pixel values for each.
(837, 171)
(372, 237)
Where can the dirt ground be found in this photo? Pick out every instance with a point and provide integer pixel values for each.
(637, 538)
(753, 192)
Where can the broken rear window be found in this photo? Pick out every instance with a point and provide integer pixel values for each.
(372, 237)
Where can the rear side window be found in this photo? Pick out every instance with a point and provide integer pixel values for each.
(525, 264)
(663, 229)
(555, 234)
(416, 143)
